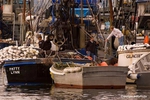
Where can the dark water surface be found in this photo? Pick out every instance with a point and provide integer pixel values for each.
(51, 93)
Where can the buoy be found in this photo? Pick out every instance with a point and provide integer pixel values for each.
(116, 64)
(146, 39)
(88, 57)
(133, 76)
(99, 64)
(104, 64)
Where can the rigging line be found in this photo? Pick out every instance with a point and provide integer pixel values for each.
(41, 7)
(45, 3)
(96, 21)
(71, 37)
(45, 7)
(31, 27)
(37, 7)
(90, 8)
(98, 10)
(86, 32)
(42, 10)
(52, 12)
(33, 8)
(49, 4)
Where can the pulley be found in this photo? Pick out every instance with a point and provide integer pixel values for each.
(59, 38)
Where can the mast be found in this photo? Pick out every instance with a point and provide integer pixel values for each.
(81, 12)
(31, 25)
(24, 8)
(118, 13)
(111, 12)
(23, 22)
(111, 24)
(133, 27)
(82, 27)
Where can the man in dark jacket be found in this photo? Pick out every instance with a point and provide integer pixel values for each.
(44, 45)
(47, 44)
(91, 48)
(41, 41)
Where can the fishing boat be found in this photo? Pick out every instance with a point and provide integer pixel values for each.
(128, 54)
(139, 71)
(133, 55)
(23, 65)
(28, 72)
(85, 76)
(69, 33)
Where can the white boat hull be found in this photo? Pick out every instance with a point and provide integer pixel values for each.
(93, 77)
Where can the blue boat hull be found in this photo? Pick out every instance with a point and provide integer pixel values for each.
(27, 72)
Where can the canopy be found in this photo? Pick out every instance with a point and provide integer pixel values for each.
(140, 1)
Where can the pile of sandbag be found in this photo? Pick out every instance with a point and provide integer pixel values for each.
(18, 53)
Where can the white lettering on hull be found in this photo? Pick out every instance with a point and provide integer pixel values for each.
(134, 56)
(14, 70)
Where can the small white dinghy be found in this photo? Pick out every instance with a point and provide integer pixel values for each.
(88, 77)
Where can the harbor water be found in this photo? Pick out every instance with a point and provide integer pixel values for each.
(50, 92)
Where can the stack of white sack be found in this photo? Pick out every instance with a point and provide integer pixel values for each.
(18, 53)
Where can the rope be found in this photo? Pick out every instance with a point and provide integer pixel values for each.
(96, 21)
(44, 4)
(53, 17)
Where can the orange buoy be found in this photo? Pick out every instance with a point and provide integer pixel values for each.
(104, 64)
(116, 64)
(146, 39)
(99, 64)
(90, 58)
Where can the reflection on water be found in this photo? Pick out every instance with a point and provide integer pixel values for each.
(129, 93)
(51, 93)
(24, 93)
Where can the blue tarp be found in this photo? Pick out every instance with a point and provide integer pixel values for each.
(85, 11)
(140, 1)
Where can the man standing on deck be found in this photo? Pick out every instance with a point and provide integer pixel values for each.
(117, 33)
